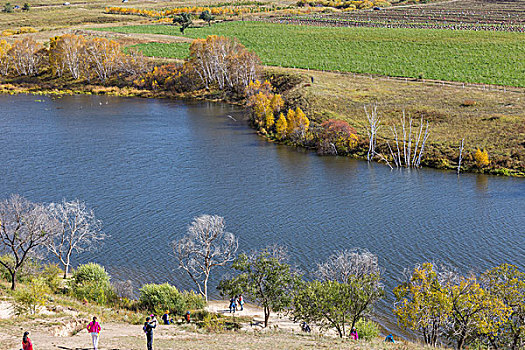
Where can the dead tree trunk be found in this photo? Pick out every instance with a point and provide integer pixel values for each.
(460, 155)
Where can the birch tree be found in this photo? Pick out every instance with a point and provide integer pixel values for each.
(24, 228)
(103, 57)
(205, 246)
(78, 230)
(26, 56)
(409, 155)
(4, 57)
(374, 123)
(68, 52)
(223, 62)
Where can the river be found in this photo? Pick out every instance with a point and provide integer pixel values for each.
(147, 167)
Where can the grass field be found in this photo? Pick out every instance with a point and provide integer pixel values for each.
(172, 50)
(467, 56)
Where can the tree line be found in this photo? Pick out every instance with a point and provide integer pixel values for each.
(73, 55)
(29, 230)
(438, 303)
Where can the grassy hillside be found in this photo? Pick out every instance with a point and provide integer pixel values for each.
(466, 56)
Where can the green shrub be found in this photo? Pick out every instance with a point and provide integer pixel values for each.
(93, 291)
(193, 301)
(51, 274)
(90, 272)
(199, 315)
(367, 330)
(158, 298)
(91, 282)
(8, 8)
(212, 323)
(29, 298)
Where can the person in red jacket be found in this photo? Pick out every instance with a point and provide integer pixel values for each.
(94, 328)
(26, 342)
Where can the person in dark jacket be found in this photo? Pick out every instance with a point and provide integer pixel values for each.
(166, 317)
(148, 329)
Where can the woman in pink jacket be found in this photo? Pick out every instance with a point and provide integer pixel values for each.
(94, 328)
(353, 334)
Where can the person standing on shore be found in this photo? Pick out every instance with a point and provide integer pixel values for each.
(148, 329)
(233, 304)
(241, 302)
(26, 342)
(353, 334)
(94, 328)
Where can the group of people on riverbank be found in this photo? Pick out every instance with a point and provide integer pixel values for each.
(236, 300)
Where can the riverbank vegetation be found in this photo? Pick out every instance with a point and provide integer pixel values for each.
(440, 304)
(218, 67)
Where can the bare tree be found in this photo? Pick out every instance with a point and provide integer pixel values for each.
(374, 123)
(411, 157)
(78, 230)
(343, 264)
(205, 246)
(24, 228)
(460, 155)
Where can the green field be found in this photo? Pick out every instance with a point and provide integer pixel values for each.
(175, 50)
(467, 56)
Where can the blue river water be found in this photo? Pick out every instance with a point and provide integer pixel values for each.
(147, 167)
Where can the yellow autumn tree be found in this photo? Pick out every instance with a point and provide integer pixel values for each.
(277, 103)
(68, 53)
(25, 56)
(264, 103)
(4, 57)
(301, 121)
(481, 158)
(290, 121)
(270, 120)
(422, 303)
(281, 126)
(103, 57)
(261, 108)
(474, 311)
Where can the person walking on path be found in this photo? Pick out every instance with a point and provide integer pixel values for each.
(233, 304)
(26, 342)
(353, 334)
(148, 329)
(94, 328)
(241, 302)
(389, 339)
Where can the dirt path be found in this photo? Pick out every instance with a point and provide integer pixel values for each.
(68, 333)
(276, 321)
